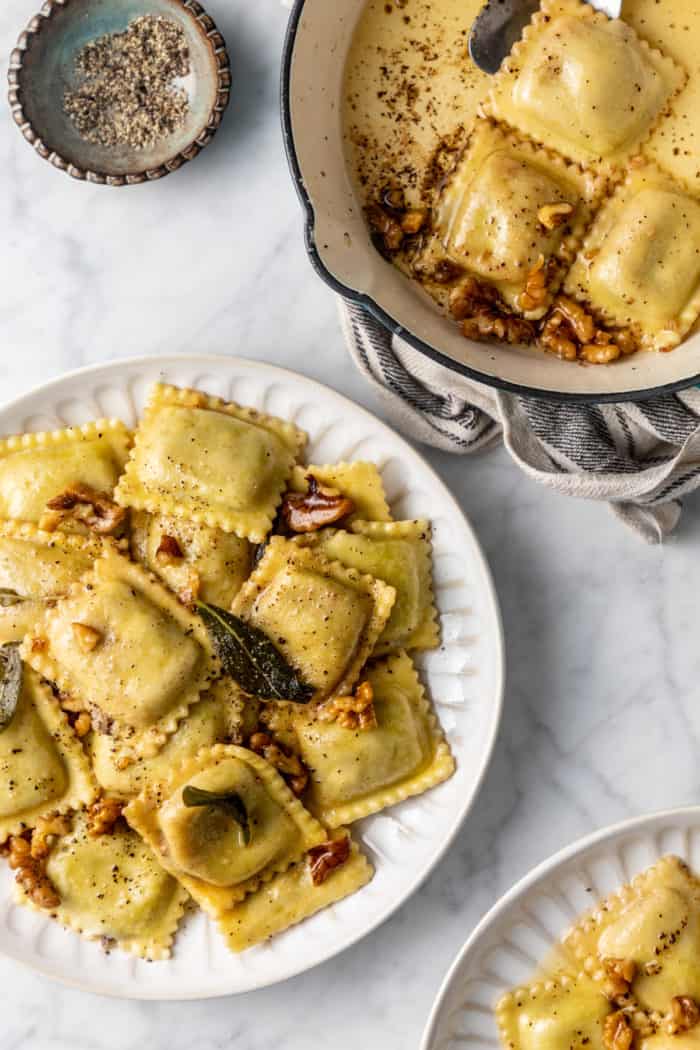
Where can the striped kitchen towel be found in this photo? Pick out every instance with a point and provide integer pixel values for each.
(640, 458)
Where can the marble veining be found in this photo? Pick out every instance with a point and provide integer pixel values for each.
(601, 716)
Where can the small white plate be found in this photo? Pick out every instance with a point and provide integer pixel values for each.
(517, 935)
(464, 677)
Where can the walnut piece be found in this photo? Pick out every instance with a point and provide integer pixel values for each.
(536, 292)
(84, 504)
(103, 815)
(392, 221)
(82, 724)
(85, 637)
(617, 1032)
(552, 216)
(313, 510)
(288, 765)
(351, 712)
(327, 857)
(685, 1014)
(169, 551)
(571, 333)
(619, 974)
(27, 856)
(484, 315)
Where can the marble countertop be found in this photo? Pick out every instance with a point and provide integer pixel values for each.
(601, 716)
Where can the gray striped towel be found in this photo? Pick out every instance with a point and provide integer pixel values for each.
(640, 458)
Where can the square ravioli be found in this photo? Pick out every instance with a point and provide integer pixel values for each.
(640, 264)
(324, 618)
(399, 553)
(43, 768)
(563, 1012)
(195, 561)
(37, 567)
(185, 451)
(35, 468)
(653, 920)
(361, 482)
(291, 897)
(223, 824)
(509, 209)
(125, 649)
(110, 886)
(355, 772)
(584, 84)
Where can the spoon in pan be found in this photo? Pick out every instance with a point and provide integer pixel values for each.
(501, 23)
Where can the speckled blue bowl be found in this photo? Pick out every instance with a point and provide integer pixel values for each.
(42, 66)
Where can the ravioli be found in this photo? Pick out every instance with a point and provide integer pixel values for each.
(36, 567)
(324, 618)
(492, 217)
(42, 765)
(195, 561)
(354, 773)
(147, 658)
(653, 920)
(291, 897)
(554, 1013)
(584, 84)
(210, 461)
(35, 468)
(640, 265)
(361, 482)
(399, 553)
(204, 846)
(112, 887)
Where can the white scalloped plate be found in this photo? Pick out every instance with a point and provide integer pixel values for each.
(518, 934)
(465, 679)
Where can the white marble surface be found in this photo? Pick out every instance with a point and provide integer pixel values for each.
(601, 716)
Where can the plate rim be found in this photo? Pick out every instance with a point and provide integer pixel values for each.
(527, 881)
(490, 596)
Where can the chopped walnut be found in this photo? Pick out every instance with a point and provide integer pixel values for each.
(103, 815)
(617, 1032)
(685, 1014)
(556, 337)
(484, 315)
(327, 857)
(571, 333)
(413, 222)
(85, 637)
(351, 712)
(82, 724)
(169, 551)
(386, 228)
(619, 974)
(580, 322)
(46, 832)
(288, 765)
(27, 855)
(552, 216)
(313, 510)
(536, 292)
(600, 353)
(84, 504)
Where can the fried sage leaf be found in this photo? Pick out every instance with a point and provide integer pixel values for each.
(10, 682)
(251, 659)
(229, 801)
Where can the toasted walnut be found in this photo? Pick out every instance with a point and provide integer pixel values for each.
(685, 1014)
(556, 337)
(618, 1034)
(84, 504)
(470, 296)
(85, 637)
(169, 551)
(327, 857)
(413, 222)
(619, 974)
(580, 322)
(313, 510)
(103, 815)
(351, 712)
(46, 832)
(535, 293)
(552, 216)
(600, 353)
(82, 724)
(484, 315)
(288, 765)
(27, 856)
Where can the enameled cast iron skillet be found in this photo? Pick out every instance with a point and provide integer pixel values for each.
(318, 41)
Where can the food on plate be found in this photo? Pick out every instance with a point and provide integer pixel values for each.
(205, 672)
(525, 204)
(625, 977)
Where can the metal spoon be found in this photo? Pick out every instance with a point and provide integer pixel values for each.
(501, 23)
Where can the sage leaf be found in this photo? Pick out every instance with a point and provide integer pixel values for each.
(251, 659)
(230, 801)
(10, 682)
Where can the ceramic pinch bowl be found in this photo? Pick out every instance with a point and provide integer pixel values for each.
(42, 67)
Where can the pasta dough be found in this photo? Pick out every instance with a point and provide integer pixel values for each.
(552, 1014)
(360, 482)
